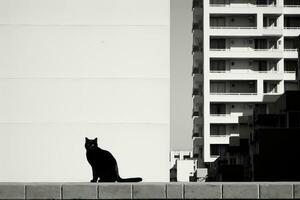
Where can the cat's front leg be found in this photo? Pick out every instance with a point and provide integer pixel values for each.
(95, 177)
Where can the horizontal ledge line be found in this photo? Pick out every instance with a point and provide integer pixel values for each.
(75, 78)
(88, 25)
(106, 123)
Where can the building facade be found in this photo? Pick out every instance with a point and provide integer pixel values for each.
(182, 166)
(84, 68)
(244, 56)
(267, 148)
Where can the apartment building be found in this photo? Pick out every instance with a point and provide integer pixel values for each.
(267, 147)
(244, 55)
(182, 166)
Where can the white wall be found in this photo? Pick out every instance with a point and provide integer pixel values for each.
(76, 68)
(185, 169)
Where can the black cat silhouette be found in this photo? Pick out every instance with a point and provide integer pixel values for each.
(104, 165)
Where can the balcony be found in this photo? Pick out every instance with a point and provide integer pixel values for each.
(272, 90)
(197, 112)
(271, 31)
(291, 31)
(197, 127)
(197, 4)
(246, 53)
(289, 75)
(233, 91)
(291, 53)
(197, 69)
(233, 31)
(246, 74)
(197, 26)
(219, 139)
(197, 48)
(197, 145)
(197, 85)
(197, 131)
(291, 9)
(244, 31)
(243, 5)
(235, 97)
(224, 118)
(244, 8)
(292, 24)
(294, 28)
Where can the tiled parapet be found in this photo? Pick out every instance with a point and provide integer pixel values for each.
(43, 191)
(240, 191)
(12, 191)
(276, 191)
(149, 191)
(218, 190)
(115, 191)
(203, 191)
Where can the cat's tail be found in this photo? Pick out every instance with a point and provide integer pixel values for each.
(136, 179)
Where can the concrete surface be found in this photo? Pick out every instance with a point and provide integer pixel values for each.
(249, 190)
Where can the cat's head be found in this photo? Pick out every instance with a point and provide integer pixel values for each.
(91, 144)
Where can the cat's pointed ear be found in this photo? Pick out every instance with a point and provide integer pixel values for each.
(96, 139)
(86, 139)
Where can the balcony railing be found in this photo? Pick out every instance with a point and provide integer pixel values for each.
(233, 27)
(197, 70)
(266, 49)
(220, 135)
(292, 6)
(242, 6)
(271, 28)
(197, 134)
(270, 93)
(292, 27)
(197, 91)
(242, 72)
(246, 49)
(217, 93)
(220, 115)
(290, 49)
(290, 72)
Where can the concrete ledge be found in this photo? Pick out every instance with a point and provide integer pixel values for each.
(83, 191)
(297, 191)
(41, 191)
(202, 191)
(276, 191)
(249, 190)
(175, 191)
(115, 191)
(12, 191)
(240, 191)
(149, 191)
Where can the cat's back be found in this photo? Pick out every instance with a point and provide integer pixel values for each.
(108, 156)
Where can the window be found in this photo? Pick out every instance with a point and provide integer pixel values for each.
(217, 87)
(217, 129)
(217, 65)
